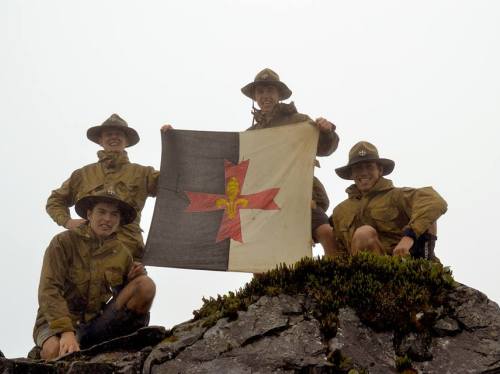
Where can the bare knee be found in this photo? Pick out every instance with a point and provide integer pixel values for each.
(365, 238)
(50, 348)
(365, 233)
(323, 231)
(145, 287)
(138, 295)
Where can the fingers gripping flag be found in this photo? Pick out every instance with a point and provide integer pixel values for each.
(233, 201)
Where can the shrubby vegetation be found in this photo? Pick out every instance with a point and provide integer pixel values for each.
(388, 293)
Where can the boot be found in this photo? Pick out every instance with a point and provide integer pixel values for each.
(110, 324)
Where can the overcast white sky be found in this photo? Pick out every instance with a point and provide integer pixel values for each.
(420, 80)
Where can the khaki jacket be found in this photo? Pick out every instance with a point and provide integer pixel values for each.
(285, 114)
(79, 275)
(389, 210)
(132, 182)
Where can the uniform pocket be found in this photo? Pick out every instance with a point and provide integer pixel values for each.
(114, 278)
(385, 218)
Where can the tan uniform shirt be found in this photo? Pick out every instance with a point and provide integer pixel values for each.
(389, 210)
(78, 276)
(132, 182)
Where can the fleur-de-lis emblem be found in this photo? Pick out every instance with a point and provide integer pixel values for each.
(232, 202)
(362, 153)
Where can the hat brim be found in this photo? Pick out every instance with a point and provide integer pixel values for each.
(94, 133)
(344, 172)
(283, 89)
(127, 212)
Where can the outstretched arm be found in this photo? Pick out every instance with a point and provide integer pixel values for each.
(328, 138)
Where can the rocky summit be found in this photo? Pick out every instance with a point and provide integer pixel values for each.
(409, 317)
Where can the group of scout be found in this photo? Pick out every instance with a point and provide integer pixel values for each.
(93, 286)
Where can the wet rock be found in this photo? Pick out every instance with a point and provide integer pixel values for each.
(181, 336)
(473, 310)
(361, 345)
(446, 327)
(476, 349)
(6, 366)
(282, 335)
(266, 338)
(415, 345)
(293, 349)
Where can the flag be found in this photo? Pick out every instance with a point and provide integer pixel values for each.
(233, 201)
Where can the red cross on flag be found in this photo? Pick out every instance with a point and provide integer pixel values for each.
(234, 201)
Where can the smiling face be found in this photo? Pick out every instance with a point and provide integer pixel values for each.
(113, 140)
(366, 175)
(104, 219)
(266, 96)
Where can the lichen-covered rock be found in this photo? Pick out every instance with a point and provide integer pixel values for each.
(361, 345)
(271, 336)
(476, 349)
(279, 334)
(124, 355)
(316, 318)
(446, 327)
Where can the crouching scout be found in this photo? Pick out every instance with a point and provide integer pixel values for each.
(113, 170)
(90, 289)
(379, 217)
(268, 90)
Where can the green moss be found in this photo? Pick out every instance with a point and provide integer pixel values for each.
(170, 339)
(386, 292)
(403, 364)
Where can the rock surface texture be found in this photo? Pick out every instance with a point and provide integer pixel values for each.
(280, 334)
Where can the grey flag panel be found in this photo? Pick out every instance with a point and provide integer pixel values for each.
(191, 161)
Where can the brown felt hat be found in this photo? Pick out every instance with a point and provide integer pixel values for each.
(362, 152)
(268, 77)
(127, 212)
(114, 122)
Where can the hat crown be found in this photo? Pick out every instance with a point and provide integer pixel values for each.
(267, 75)
(115, 120)
(110, 194)
(361, 150)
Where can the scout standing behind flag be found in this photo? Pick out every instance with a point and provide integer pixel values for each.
(234, 201)
(267, 90)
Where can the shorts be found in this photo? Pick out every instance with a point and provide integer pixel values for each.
(43, 333)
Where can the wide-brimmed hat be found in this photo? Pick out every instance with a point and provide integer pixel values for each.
(268, 77)
(114, 122)
(127, 212)
(361, 152)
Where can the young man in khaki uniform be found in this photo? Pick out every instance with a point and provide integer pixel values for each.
(113, 170)
(268, 91)
(379, 217)
(90, 289)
